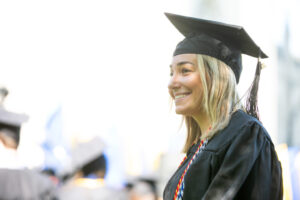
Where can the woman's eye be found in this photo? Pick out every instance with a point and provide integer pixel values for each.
(171, 73)
(185, 70)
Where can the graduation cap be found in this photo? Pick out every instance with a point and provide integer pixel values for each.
(10, 123)
(86, 157)
(225, 42)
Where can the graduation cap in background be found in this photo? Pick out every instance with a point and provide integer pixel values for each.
(142, 185)
(86, 157)
(10, 122)
(225, 42)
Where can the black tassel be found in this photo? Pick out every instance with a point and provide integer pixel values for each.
(251, 101)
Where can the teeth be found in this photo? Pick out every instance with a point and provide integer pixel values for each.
(180, 96)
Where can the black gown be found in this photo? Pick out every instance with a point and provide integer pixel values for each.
(239, 162)
(25, 184)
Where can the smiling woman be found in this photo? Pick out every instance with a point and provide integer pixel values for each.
(201, 100)
(229, 154)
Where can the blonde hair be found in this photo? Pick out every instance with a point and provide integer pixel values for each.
(219, 98)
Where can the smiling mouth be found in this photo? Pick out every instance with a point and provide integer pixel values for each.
(180, 96)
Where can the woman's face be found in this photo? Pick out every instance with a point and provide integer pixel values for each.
(185, 85)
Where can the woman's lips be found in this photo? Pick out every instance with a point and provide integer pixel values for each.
(179, 97)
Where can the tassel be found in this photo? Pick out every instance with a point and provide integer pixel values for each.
(251, 101)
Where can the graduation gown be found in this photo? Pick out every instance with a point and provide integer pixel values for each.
(24, 184)
(239, 162)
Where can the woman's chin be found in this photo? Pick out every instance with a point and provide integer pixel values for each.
(187, 112)
(181, 111)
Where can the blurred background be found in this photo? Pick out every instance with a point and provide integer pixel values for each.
(85, 69)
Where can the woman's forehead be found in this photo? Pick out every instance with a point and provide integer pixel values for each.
(178, 59)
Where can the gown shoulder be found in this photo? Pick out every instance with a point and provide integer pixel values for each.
(246, 163)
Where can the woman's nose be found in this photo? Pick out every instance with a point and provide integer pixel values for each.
(174, 82)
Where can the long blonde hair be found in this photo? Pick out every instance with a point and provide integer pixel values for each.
(220, 98)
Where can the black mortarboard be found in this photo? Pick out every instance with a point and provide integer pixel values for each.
(86, 157)
(10, 123)
(222, 41)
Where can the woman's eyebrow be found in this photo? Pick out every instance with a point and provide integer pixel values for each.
(183, 63)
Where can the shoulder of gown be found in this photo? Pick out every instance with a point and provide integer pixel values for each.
(248, 166)
(240, 124)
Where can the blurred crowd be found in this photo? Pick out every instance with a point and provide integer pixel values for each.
(85, 179)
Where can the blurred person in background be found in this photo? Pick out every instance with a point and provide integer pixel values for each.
(88, 179)
(16, 181)
(142, 189)
(229, 154)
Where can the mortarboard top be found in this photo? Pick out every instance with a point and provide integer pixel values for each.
(12, 119)
(85, 152)
(8, 118)
(223, 41)
(81, 154)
